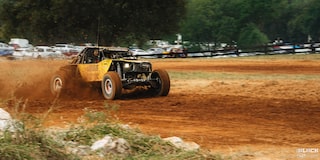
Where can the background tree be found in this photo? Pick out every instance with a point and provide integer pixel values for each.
(305, 20)
(135, 21)
(106, 21)
(251, 36)
(215, 21)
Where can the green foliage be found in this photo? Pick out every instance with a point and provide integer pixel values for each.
(251, 36)
(215, 21)
(142, 146)
(30, 144)
(126, 22)
(305, 21)
(29, 141)
(34, 142)
(115, 22)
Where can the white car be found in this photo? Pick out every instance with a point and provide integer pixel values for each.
(19, 43)
(5, 49)
(138, 52)
(28, 52)
(64, 48)
(156, 52)
(46, 52)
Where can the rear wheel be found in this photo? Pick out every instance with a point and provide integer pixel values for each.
(111, 86)
(58, 83)
(161, 86)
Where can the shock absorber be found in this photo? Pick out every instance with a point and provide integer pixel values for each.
(119, 70)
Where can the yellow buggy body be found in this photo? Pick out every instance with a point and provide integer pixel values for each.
(112, 69)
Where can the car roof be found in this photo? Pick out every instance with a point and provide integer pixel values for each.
(137, 49)
(109, 48)
(43, 47)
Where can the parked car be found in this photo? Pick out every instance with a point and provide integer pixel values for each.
(5, 49)
(66, 49)
(141, 53)
(176, 51)
(46, 52)
(19, 43)
(157, 52)
(24, 53)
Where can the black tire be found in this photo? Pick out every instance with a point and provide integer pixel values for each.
(58, 83)
(111, 86)
(162, 86)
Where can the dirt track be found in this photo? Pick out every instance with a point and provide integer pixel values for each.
(248, 108)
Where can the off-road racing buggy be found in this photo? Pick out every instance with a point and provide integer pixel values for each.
(111, 69)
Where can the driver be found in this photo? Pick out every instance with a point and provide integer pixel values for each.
(96, 56)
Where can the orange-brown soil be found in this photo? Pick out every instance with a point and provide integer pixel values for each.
(246, 108)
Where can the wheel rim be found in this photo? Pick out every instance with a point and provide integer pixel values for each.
(161, 82)
(57, 85)
(158, 80)
(108, 86)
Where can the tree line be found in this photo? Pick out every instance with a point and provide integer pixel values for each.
(107, 22)
(251, 22)
(122, 22)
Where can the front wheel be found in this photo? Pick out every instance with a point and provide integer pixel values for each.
(111, 86)
(161, 86)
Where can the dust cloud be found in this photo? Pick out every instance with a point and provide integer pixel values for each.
(27, 79)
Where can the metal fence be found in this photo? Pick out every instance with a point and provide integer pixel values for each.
(273, 49)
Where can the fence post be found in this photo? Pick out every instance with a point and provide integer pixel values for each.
(313, 48)
(294, 48)
(265, 49)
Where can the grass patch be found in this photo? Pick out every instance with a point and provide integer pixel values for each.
(33, 141)
(142, 146)
(262, 57)
(30, 145)
(239, 76)
(285, 56)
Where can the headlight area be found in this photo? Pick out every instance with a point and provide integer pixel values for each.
(128, 67)
(136, 67)
(135, 74)
(136, 71)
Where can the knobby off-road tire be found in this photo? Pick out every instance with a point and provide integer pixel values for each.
(162, 86)
(111, 86)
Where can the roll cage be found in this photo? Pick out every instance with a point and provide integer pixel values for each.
(87, 54)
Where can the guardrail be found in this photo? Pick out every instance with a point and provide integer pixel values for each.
(307, 48)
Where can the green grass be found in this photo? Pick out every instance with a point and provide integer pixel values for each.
(33, 141)
(29, 145)
(239, 76)
(262, 57)
(142, 146)
(286, 57)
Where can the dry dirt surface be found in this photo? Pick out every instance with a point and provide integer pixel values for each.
(241, 108)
